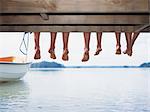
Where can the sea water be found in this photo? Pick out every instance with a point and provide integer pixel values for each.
(78, 90)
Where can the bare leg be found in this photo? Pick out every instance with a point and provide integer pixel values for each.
(65, 56)
(118, 45)
(87, 40)
(99, 39)
(37, 45)
(36, 40)
(135, 35)
(86, 48)
(129, 46)
(52, 45)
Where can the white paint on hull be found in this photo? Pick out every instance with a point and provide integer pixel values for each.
(13, 71)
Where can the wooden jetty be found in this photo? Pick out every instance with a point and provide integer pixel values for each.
(75, 15)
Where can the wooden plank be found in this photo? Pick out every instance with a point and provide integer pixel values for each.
(73, 6)
(68, 28)
(75, 19)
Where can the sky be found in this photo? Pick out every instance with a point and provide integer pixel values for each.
(10, 42)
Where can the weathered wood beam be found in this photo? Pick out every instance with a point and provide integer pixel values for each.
(68, 28)
(74, 19)
(86, 15)
(73, 6)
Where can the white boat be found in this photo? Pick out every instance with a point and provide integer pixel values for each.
(10, 71)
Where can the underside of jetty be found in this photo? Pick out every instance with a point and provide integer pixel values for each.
(74, 15)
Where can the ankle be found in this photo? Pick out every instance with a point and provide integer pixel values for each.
(37, 49)
(86, 49)
(118, 45)
(65, 50)
(99, 48)
(51, 50)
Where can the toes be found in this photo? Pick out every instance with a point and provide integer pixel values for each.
(52, 55)
(125, 52)
(85, 57)
(37, 54)
(98, 51)
(65, 56)
(118, 51)
(129, 53)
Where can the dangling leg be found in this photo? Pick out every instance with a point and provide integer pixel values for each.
(65, 56)
(129, 46)
(86, 48)
(52, 45)
(37, 45)
(135, 35)
(133, 38)
(99, 39)
(118, 45)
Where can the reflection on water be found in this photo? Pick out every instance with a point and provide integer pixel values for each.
(13, 96)
(78, 90)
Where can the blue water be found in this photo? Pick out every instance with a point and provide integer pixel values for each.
(78, 90)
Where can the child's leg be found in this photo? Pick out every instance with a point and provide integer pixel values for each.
(99, 39)
(53, 39)
(135, 35)
(118, 44)
(65, 56)
(86, 48)
(52, 45)
(128, 40)
(37, 39)
(65, 40)
(37, 45)
(87, 40)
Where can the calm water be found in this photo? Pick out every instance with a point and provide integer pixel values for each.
(78, 90)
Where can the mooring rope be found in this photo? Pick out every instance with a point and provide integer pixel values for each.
(25, 43)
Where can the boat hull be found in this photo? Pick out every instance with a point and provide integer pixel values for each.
(13, 71)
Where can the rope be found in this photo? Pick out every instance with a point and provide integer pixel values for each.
(25, 43)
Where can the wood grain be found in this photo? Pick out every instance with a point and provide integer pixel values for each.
(75, 19)
(73, 6)
(113, 15)
(68, 28)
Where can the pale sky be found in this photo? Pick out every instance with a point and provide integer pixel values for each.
(10, 42)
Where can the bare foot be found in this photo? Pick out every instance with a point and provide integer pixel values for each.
(65, 56)
(52, 54)
(37, 54)
(85, 56)
(125, 52)
(128, 52)
(98, 50)
(118, 50)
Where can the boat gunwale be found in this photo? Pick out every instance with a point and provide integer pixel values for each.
(15, 63)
